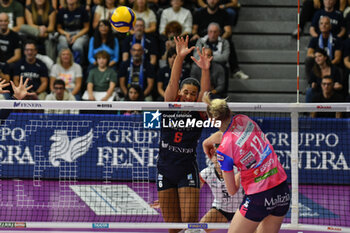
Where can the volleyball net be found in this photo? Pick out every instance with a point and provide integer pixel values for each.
(93, 164)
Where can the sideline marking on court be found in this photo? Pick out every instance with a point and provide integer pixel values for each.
(113, 200)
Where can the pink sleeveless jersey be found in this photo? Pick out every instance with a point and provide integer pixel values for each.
(245, 146)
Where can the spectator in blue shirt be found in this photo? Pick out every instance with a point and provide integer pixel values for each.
(103, 39)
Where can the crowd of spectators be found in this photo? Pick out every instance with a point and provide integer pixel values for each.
(60, 39)
(327, 63)
(73, 41)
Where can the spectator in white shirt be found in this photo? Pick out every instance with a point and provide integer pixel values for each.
(176, 13)
(69, 71)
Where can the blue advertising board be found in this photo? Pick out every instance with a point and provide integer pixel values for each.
(118, 147)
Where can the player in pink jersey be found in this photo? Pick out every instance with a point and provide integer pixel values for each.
(244, 145)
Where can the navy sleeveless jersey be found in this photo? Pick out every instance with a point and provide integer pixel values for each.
(177, 148)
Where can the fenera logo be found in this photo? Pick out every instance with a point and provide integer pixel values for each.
(29, 105)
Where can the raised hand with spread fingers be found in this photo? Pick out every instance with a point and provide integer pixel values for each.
(4, 84)
(21, 91)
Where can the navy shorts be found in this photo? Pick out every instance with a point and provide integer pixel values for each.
(274, 201)
(227, 215)
(187, 179)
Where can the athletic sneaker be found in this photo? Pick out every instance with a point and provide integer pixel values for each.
(240, 75)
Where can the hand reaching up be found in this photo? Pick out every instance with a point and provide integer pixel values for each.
(182, 46)
(21, 91)
(3, 84)
(204, 60)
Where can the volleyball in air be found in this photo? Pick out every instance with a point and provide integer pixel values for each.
(123, 19)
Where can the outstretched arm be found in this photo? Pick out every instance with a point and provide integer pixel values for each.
(204, 64)
(182, 50)
(208, 144)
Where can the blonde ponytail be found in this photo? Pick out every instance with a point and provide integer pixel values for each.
(217, 108)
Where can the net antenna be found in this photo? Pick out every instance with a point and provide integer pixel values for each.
(298, 52)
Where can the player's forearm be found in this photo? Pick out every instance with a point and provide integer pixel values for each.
(230, 182)
(208, 144)
(173, 86)
(205, 83)
(238, 180)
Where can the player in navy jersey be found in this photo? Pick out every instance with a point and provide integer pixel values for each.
(178, 176)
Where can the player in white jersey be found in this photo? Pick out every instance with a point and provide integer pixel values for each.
(224, 206)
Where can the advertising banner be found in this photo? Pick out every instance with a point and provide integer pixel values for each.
(119, 147)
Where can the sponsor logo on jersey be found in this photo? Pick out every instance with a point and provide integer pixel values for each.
(248, 160)
(267, 165)
(180, 149)
(247, 132)
(192, 183)
(189, 176)
(279, 200)
(220, 157)
(245, 206)
(164, 145)
(273, 171)
(267, 151)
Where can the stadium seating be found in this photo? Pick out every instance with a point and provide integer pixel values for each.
(267, 52)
